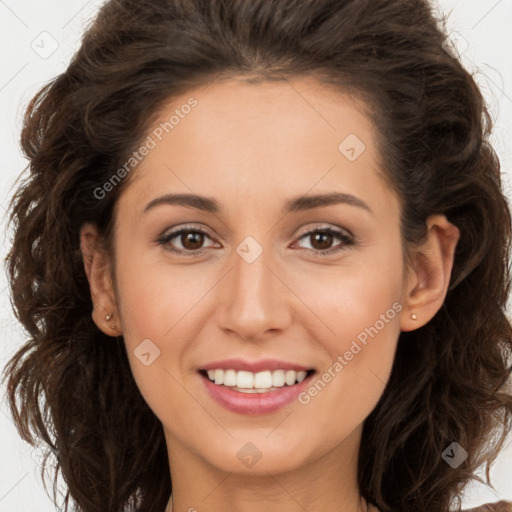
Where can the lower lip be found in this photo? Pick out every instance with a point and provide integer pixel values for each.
(254, 403)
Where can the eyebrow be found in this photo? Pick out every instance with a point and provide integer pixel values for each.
(211, 205)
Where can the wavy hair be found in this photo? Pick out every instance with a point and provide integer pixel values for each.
(71, 386)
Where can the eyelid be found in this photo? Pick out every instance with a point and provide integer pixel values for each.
(171, 233)
(326, 227)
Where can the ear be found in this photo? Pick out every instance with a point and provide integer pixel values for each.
(428, 280)
(98, 268)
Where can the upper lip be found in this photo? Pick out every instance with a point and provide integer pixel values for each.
(253, 366)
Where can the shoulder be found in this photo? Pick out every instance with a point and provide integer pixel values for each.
(500, 506)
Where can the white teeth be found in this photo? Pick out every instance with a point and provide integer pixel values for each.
(301, 376)
(260, 382)
(244, 379)
(230, 378)
(290, 377)
(263, 380)
(278, 378)
(219, 376)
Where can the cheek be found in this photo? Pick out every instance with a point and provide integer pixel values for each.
(153, 308)
(360, 301)
(154, 294)
(360, 313)
(159, 304)
(370, 307)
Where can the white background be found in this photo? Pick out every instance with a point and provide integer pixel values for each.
(29, 31)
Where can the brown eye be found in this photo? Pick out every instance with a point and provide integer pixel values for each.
(321, 241)
(192, 240)
(185, 241)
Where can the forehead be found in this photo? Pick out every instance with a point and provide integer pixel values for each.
(261, 139)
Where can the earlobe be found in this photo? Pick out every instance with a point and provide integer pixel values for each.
(97, 265)
(430, 277)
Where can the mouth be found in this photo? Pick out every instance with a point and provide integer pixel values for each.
(255, 392)
(266, 381)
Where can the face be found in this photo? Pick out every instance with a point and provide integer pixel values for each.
(268, 283)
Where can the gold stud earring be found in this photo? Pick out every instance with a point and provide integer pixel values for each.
(414, 317)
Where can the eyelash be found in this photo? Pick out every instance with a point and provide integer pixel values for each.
(346, 239)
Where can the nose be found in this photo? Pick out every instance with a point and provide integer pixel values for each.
(254, 301)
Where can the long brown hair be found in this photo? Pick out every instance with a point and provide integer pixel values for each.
(449, 379)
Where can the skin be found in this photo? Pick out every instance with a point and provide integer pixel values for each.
(252, 147)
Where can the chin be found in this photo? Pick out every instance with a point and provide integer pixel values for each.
(259, 457)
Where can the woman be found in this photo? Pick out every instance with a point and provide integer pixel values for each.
(180, 329)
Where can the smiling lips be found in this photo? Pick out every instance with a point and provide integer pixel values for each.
(254, 388)
(261, 382)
